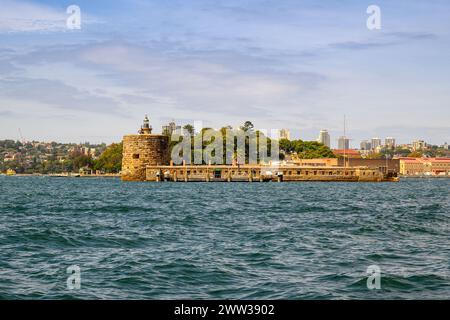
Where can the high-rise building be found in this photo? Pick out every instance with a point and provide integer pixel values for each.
(389, 142)
(324, 138)
(418, 145)
(376, 142)
(343, 143)
(365, 145)
(445, 146)
(170, 129)
(285, 134)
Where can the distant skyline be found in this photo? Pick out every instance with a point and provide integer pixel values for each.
(299, 65)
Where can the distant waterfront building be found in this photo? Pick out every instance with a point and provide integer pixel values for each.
(376, 142)
(321, 162)
(347, 153)
(385, 165)
(389, 142)
(170, 129)
(418, 145)
(285, 134)
(87, 151)
(365, 145)
(343, 143)
(425, 166)
(324, 138)
(9, 156)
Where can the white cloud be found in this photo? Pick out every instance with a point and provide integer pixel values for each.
(190, 78)
(21, 16)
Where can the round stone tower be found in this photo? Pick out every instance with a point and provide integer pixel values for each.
(141, 150)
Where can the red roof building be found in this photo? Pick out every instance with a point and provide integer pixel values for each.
(349, 154)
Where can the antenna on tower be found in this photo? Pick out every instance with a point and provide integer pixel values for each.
(21, 137)
(344, 127)
(345, 142)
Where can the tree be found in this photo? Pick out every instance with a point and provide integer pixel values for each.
(248, 126)
(79, 162)
(110, 161)
(189, 128)
(286, 146)
(415, 154)
(402, 152)
(306, 149)
(376, 156)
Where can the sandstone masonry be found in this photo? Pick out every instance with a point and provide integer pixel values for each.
(141, 150)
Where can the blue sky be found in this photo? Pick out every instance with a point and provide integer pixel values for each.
(300, 65)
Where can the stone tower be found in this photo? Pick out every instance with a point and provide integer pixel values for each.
(141, 150)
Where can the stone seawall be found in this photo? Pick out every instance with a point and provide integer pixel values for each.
(216, 173)
(141, 150)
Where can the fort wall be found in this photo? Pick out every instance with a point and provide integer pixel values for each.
(216, 173)
(142, 150)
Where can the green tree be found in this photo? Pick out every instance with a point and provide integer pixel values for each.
(80, 161)
(248, 126)
(306, 149)
(415, 154)
(110, 161)
(189, 128)
(376, 156)
(402, 152)
(286, 146)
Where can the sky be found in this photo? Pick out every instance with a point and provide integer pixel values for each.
(300, 65)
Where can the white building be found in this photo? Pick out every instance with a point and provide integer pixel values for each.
(324, 138)
(376, 142)
(285, 134)
(418, 145)
(365, 145)
(389, 142)
(343, 143)
(170, 128)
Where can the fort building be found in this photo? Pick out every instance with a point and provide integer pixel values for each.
(258, 173)
(425, 166)
(142, 150)
(146, 158)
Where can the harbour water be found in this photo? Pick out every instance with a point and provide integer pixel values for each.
(223, 241)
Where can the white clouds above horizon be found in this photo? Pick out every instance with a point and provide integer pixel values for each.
(18, 16)
(224, 65)
(24, 16)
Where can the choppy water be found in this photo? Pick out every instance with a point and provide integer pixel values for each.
(223, 240)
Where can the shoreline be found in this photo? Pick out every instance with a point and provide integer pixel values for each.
(116, 175)
(56, 175)
(424, 177)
